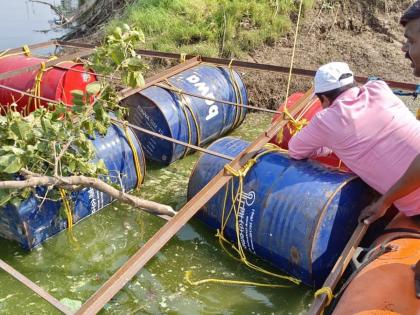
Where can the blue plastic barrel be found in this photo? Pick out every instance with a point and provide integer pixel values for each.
(30, 225)
(297, 215)
(187, 118)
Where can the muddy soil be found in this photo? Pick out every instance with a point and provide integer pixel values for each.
(366, 34)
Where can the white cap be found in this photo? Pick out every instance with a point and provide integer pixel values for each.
(332, 76)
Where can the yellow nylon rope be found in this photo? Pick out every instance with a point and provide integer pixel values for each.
(327, 291)
(36, 90)
(137, 165)
(238, 95)
(188, 275)
(186, 106)
(69, 215)
(25, 51)
(294, 49)
(238, 248)
(67, 209)
(286, 111)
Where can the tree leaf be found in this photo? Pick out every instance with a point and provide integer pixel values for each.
(15, 165)
(93, 88)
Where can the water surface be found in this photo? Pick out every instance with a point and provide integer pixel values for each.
(74, 270)
(24, 22)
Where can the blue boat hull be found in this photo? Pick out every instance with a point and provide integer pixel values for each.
(30, 225)
(187, 118)
(297, 215)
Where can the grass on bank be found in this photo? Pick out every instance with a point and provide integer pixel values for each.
(225, 28)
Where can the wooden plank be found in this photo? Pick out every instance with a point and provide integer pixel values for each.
(340, 266)
(114, 284)
(35, 288)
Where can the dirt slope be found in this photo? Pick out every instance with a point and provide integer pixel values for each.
(366, 34)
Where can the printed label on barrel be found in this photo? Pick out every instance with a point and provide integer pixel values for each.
(246, 220)
(96, 200)
(147, 122)
(204, 90)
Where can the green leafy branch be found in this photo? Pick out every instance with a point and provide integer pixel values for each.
(52, 146)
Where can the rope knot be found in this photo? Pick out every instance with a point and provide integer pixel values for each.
(230, 170)
(328, 292)
(26, 50)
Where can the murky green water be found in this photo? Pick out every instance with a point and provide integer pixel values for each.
(74, 271)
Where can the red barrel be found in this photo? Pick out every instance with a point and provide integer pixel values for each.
(307, 113)
(56, 84)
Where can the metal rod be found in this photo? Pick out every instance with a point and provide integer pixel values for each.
(241, 64)
(162, 76)
(216, 100)
(158, 135)
(114, 284)
(185, 144)
(340, 266)
(31, 47)
(35, 288)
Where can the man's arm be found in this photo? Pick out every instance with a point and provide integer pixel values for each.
(409, 182)
(310, 141)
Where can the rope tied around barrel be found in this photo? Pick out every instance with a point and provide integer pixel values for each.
(185, 105)
(137, 165)
(36, 89)
(69, 216)
(238, 95)
(237, 202)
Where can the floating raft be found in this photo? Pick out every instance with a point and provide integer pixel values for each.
(298, 215)
(30, 225)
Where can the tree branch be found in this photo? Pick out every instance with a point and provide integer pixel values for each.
(76, 182)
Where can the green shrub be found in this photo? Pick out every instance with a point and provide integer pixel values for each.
(227, 28)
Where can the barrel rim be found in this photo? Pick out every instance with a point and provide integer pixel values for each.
(141, 94)
(324, 211)
(202, 154)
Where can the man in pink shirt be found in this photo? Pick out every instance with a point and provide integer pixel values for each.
(368, 128)
(410, 180)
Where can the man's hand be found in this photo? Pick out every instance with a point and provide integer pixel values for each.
(375, 211)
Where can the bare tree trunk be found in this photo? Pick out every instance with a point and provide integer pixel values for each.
(77, 182)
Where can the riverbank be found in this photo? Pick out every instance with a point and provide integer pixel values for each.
(365, 34)
(212, 28)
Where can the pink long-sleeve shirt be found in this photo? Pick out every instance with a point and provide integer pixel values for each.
(372, 132)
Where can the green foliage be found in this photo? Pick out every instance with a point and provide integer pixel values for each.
(118, 54)
(225, 27)
(56, 141)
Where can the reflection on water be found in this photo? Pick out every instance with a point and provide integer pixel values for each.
(22, 21)
(73, 271)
